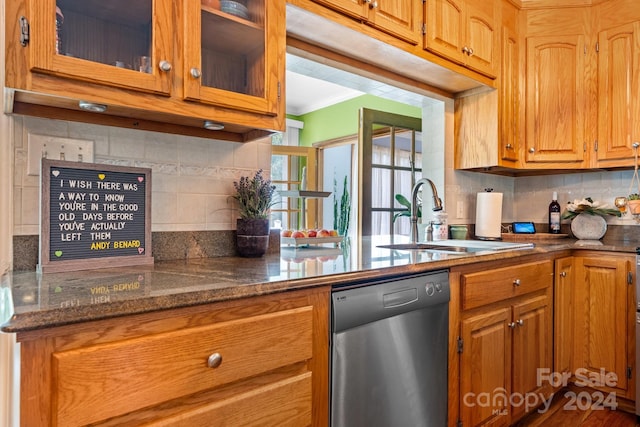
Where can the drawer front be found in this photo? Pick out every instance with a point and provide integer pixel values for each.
(285, 403)
(97, 382)
(498, 284)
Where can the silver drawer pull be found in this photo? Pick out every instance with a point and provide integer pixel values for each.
(516, 282)
(520, 322)
(214, 360)
(512, 325)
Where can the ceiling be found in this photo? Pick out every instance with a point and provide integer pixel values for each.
(312, 86)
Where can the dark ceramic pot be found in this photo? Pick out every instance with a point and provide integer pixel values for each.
(252, 237)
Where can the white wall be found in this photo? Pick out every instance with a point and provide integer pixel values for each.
(192, 178)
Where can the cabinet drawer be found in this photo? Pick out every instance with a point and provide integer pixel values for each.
(498, 284)
(101, 381)
(284, 403)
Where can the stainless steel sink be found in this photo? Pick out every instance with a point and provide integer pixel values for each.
(428, 247)
(463, 246)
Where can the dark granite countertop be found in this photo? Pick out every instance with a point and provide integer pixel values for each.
(38, 301)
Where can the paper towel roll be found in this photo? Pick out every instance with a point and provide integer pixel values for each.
(489, 215)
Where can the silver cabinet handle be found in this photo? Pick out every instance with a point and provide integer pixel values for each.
(195, 73)
(373, 4)
(214, 360)
(164, 65)
(520, 322)
(516, 282)
(508, 146)
(470, 52)
(465, 50)
(512, 325)
(532, 150)
(563, 274)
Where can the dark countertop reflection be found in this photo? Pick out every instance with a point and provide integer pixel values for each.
(30, 300)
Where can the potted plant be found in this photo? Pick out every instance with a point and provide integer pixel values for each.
(587, 217)
(633, 203)
(255, 198)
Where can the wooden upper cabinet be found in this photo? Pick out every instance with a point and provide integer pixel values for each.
(465, 32)
(103, 42)
(618, 94)
(509, 104)
(556, 101)
(400, 18)
(156, 64)
(231, 60)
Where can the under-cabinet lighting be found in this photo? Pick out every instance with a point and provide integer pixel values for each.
(93, 107)
(210, 125)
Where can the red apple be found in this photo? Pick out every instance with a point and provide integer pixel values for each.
(333, 233)
(312, 233)
(286, 233)
(298, 234)
(324, 233)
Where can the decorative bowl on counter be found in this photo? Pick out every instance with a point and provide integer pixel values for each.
(234, 8)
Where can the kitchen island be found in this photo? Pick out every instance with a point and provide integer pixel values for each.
(183, 341)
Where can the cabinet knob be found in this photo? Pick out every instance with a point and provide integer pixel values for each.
(520, 322)
(465, 50)
(195, 73)
(508, 146)
(470, 51)
(516, 282)
(373, 4)
(214, 360)
(164, 65)
(512, 325)
(563, 274)
(532, 150)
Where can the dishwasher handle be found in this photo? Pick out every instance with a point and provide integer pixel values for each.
(399, 298)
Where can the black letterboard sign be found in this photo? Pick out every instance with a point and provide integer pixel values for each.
(94, 216)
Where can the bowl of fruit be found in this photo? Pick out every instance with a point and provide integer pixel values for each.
(309, 237)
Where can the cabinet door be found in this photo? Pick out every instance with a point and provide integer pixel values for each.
(445, 30)
(482, 37)
(235, 60)
(485, 369)
(402, 18)
(556, 100)
(604, 320)
(509, 98)
(618, 92)
(354, 8)
(563, 309)
(532, 341)
(117, 43)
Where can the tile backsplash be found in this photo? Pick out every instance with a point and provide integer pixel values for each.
(192, 178)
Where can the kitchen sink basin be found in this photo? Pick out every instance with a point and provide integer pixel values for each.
(424, 247)
(461, 246)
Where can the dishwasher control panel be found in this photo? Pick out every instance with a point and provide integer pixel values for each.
(372, 301)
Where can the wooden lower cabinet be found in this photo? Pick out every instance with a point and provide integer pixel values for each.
(604, 340)
(250, 362)
(504, 342)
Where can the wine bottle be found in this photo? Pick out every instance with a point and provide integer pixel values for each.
(554, 215)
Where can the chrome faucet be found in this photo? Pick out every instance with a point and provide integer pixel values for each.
(437, 205)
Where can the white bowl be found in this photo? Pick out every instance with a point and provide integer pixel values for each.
(234, 8)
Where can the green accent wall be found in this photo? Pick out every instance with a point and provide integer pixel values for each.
(342, 119)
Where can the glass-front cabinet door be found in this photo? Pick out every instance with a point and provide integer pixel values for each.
(231, 53)
(121, 43)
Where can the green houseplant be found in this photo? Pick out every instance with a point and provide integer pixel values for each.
(633, 203)
(255, 197)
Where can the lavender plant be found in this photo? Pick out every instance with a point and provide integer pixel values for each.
(254, 196)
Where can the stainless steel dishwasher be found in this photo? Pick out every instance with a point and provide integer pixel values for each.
(389, 347)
